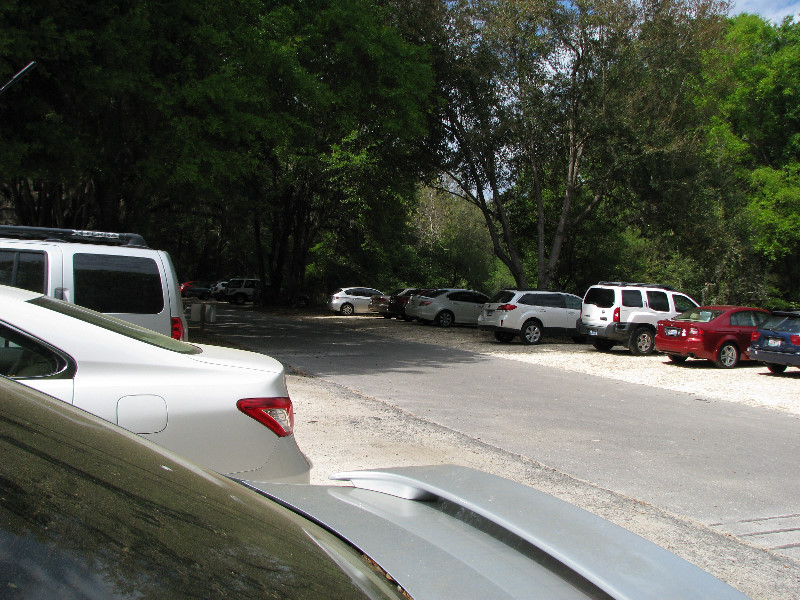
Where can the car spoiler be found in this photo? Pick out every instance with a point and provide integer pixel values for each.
(453, 532)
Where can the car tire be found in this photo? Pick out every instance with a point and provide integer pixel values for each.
(728, 356)
(503, 336)
(776, 369)
(677, 358)
(346, 309)
(386, 316)
(642, 342)
(603, 345)
(445, 319)
(531, 332)
(239, 299)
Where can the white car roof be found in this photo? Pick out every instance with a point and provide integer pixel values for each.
(17, 294)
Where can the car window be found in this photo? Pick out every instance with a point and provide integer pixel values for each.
(782, 323)
(658, 301)
(552, 300)
(111, 283)
(573, 302)
(458, 296)
(148, 336)
(502, 297)
(600, 297)
(632, 298)
(698, 315)
(745, 318)
(24, 358)
(250, 284)
(478, 298)
(26, 270)
(683, 303)
(433, 293)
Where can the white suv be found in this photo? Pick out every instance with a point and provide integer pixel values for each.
(529, 314)
(628, 314)
(113, 273)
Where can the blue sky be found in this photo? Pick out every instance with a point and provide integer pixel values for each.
(773, 10)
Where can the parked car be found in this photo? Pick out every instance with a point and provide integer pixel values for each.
(113, 273)
(379, 303)
(88, 510)
(397, 303)
(776, 342)
(218, 290)
(351, 300)
(720, 334)
(628, 314)
(446, 307)
(242, 289)
(197, 289)
(530, 314)
(226, 409)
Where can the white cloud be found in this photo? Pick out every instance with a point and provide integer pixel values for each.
(772, 10)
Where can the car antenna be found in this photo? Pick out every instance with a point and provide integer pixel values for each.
(22, 72)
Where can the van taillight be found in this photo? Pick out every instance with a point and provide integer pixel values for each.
(276, 413)
(178, 331)
(616, 315)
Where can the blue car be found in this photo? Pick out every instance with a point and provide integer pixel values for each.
(777, 342)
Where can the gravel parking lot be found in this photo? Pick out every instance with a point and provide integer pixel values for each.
(750, 383)
(340, 429)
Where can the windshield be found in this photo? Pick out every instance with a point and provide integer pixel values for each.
(782, 323)
(148, 336)
(698, 315)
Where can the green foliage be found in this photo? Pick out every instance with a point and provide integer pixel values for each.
(773, 210)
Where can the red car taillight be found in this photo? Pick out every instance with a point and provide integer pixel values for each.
(754, 336)
(178, 331)
(616, 315)
(507, 307)
(424, 302)
(275, 413)
(795, 339)
(695, 331)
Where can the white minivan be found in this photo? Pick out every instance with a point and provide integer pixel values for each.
(113, 273)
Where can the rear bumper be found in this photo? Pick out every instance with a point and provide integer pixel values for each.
(776, 358)
(619, 332)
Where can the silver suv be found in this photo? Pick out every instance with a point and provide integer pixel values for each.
(241, 289)
(113, 273)
(529, 314)
(628, 314)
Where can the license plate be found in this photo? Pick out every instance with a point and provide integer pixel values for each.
(672, 331)
(773, 342)
(489, 313)
(592, 332)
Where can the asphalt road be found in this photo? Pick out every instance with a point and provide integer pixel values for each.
(728, 466)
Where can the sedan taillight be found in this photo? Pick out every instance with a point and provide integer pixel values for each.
(507, 307)
(275, 413)
(795, 339)
(754, 336)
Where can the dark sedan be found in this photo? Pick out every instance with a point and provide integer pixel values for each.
(776, 343)
(720, 334)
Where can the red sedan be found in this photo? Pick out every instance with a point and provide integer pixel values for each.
(720, 334)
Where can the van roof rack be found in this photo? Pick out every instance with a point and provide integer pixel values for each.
(72, 235)
(628, 284)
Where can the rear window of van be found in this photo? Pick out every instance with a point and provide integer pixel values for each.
(111, 283)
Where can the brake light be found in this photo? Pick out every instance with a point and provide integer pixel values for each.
(507, 307)
(616, 315)
(795, 339)
(424, 302)
(275, 413)
(178, 330)
(696, 331)
(754, 336)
